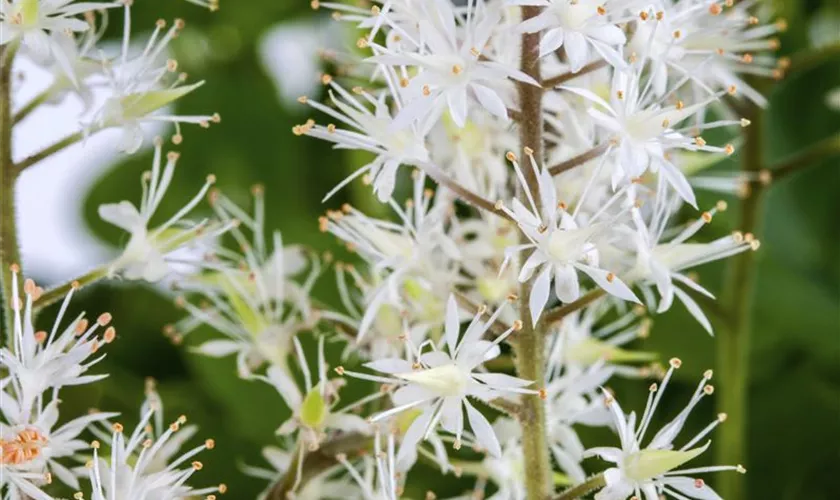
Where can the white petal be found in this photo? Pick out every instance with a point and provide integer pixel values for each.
(566, 284)
(694, 309)
(390, 365)
(539, 294)
(453, 324)
(217, 348)
(616, 287)
(490, 100)
(484, 434)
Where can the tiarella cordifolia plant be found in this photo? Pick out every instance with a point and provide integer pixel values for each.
(550, 148)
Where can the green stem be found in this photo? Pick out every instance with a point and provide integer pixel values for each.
(57, 293)
(593, 483)
(50, 150)
(530, 347)
(733, 341)
(811, 155)
(9, 248)
(31, 106)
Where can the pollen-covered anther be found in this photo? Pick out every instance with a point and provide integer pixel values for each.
(653, 387)
(110, 335)
(197, 465)
(104, 319)
(177, 139)
(426, 91)
(745, 122)
(708, 389)
(562, 205)
(765, 177)
(666, 123)
(708, 374)
(699, 483)
(542, 393)
(740, 469)
(715, 9)
(475, 52)
(610, 277)
(326, 78)
(680, 105)
(721, 417)
(729, 149)
(620, 94)
(675, 363)
(512, 297)
(707, 217)
(528, 151)
(747, 58)
(601, 10)
(362, 43)
(339, 370)
(732, 90)
(699, 141)
(430, 495)
(510, 155)
(209, 444)
(457, 69)
(660, 15)
(517, 325)
(677, 34)
(331, 128)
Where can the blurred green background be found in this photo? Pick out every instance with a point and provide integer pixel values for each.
(794, 395)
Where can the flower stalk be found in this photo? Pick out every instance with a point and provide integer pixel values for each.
(531, 348)
(591, 484)
(733, 342)
(9, 249)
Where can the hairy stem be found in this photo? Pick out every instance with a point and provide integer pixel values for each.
(463, 193)
(578, 160)
(31, 106)
(50, 150)
(591, 484)
(57, 293)
(733, 342)
(530, 348)
(9, 249)
(565, 77)
(561, 312)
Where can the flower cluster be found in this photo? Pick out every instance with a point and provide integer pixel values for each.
(551, 213)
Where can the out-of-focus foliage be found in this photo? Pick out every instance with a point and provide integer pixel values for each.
(794, 421)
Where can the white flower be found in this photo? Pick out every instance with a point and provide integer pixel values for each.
(372, 133)
(145, 254)
(139, 87)
(31, 446)
(641, 131)
(576, 25)
(385, 486)
(452, 71)
(560, 246)
(652, 470)
(660, 264)
(713, 44)
(254, 299)
(312, 407)
(442, 381)
(147, 463)
(32, 21)
(39, 362)
(418, 261)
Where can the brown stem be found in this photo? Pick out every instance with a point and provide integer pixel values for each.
(561, 312)
(565, 77)
(463, 193)
(578, 160)
(530, 348)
